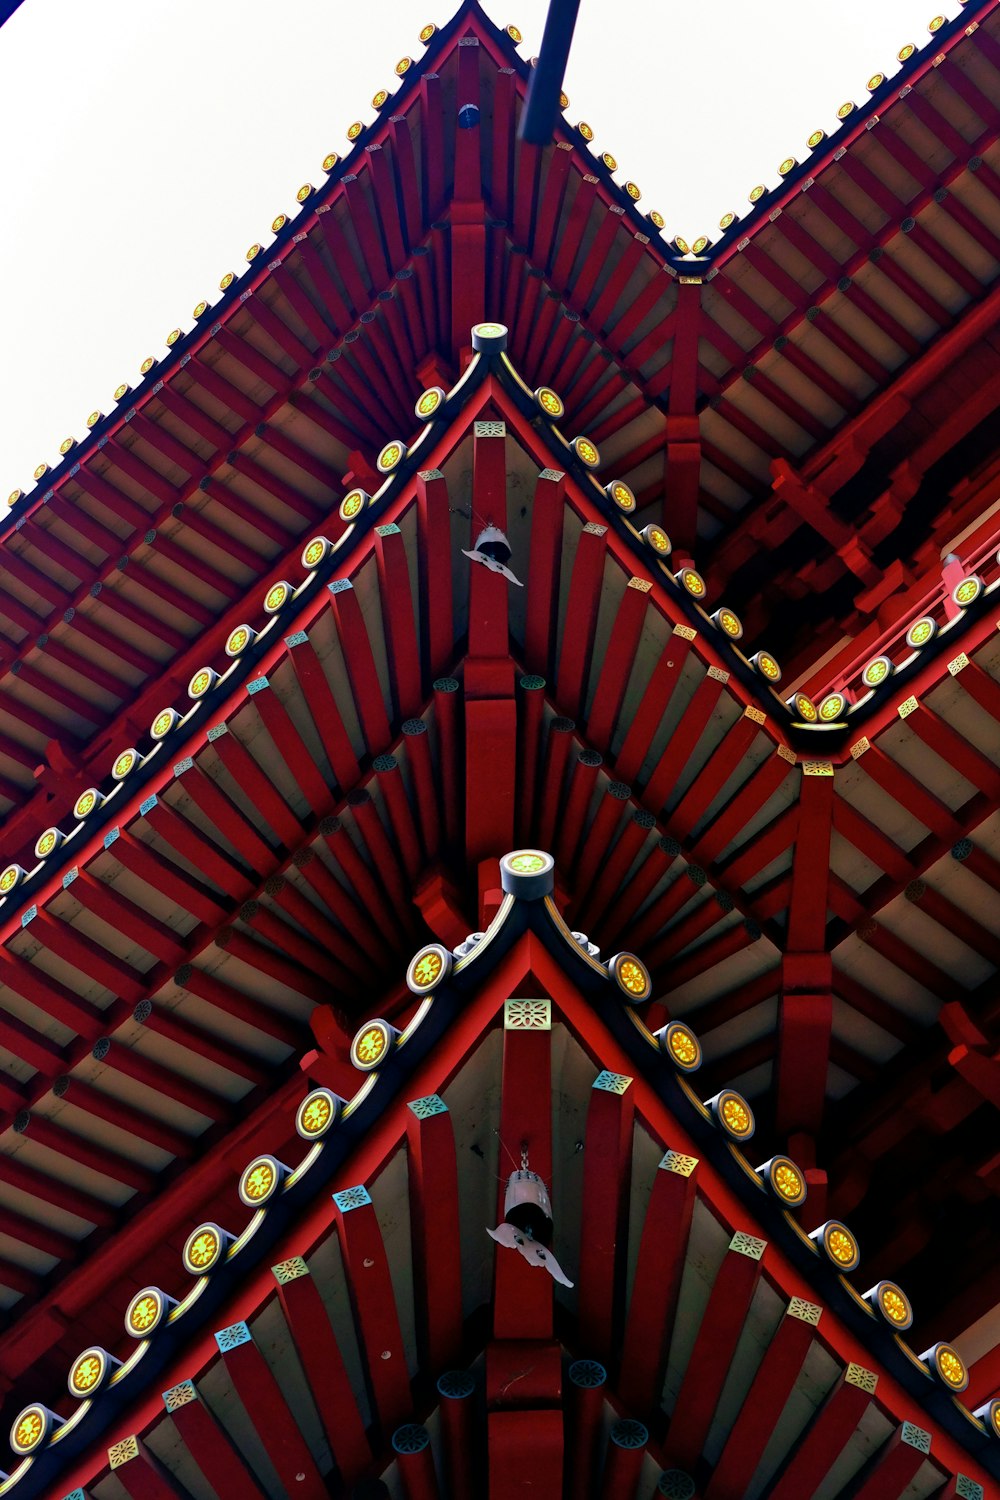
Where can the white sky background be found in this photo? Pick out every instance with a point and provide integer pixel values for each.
(147, 143)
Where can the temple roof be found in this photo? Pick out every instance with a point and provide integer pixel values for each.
(717, 1319)
(286, 724)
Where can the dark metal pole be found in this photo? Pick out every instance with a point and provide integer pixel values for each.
(539, 118)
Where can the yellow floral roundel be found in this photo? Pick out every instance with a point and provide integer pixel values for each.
(756, 193)
(950, 1367)
(330, 160)
(681, 1046)
(253, 251)
(10, 878)
(787, 1182)
(428, 968)
(586, 452)
(816, 139)
(403, 66)
(354, 130)
(426, 32)
(278, 223)
(173, 336)
(920, 632)
(844, 110)
(657, 218)
(14, 497)
(609, 161)
(526, 864)
(832, 707)
(371, 1045)
(727, 221)
(968, 591)
(692, 582)
(239, 640)
(656, 537)
(68, 443)
(316, 1114)
(43, 469)
(314, 552)
(277, 596)
(729, 623)
(164, 723)
(905, 53)
(226, 281)
(428, 402)
(353, 504)
(202, 682)
(633, 191)
(145, 1311)
(260, 1181)
(391, 457)
(585, 130)
(893, 1303)
(29, 1429)
(766, 666)
(700, 244)
(201, 308)
(95, 416)
(936, 24)
(203, 1249)
(620, 494)
(681, 245)
(734, 1114)
(86, 802)
(840, 1245)
(514, 32)
(786, 166)
(876, 672)
(875, 82)
(550, 402)
(632, 977)
(48, 842)
(87, 1372)
(803, 706)
(379, 99)
(125, 764)
(304, 192)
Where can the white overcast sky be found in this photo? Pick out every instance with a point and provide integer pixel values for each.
(147, 143)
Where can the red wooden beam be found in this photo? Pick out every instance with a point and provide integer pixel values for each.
(603, 1221)
(291, 746)
(714, 1347)
(139, 1472)
(826, 1436)
(543, 571)
(323, 710)
(269, 1412)
(402, 648)
(233, 1002)
(595, 894)
(586, 584)
(323, 1364)
(772, 1385)
(572, 816)
(895, 1465)
(654, 703)
(656, 1284)
(434, 1229)
(216, 1460)
(374, 1304)
(360, 663)
(522, 1294)
(257, 786)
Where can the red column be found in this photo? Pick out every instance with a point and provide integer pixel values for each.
(138, 1472)
(603, 1221)
(434, 1228)
(772, 1385)
(827, 1435)
(319, 1352)
(415, 1461)
(522, 1300)
(456, 1389)
(718, 1335)
(584, 1415)
(374, 1305)
(269, 1412)
(623, 1463)
(217, 1461)
(660, 1263)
